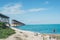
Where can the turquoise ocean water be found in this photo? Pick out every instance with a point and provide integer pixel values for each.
(42, 28)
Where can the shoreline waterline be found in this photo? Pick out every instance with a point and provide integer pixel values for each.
(28, 35)
(32, 31)
(43, 29)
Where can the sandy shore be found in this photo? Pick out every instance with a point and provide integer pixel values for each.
(27, 35)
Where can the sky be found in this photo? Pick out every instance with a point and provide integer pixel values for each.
(32, 11)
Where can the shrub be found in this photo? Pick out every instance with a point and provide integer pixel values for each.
(4, 33)
(3, 25)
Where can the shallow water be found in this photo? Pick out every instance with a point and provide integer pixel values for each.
(42, 28)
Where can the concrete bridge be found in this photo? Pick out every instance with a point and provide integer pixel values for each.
(17, 23)
(4, 19)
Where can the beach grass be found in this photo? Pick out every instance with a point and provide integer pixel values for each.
(4, 33)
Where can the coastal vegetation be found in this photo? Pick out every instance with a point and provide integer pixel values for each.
(5, 31)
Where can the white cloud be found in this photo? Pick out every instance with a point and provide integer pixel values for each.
(17, 9)
(37, 9)
(12, 9)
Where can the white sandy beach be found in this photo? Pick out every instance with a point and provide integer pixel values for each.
(27, 35)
